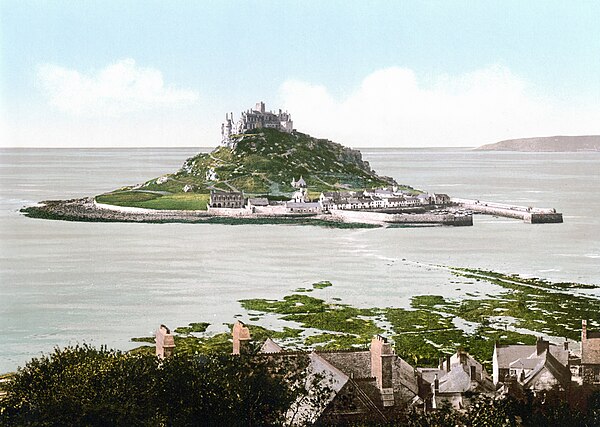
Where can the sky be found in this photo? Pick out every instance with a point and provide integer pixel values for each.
(364, 74)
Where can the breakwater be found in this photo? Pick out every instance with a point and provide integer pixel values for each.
(531, 215)
(431, 218)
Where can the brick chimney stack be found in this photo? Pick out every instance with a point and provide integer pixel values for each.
(583, 330)
(541, 345)
(241, 338)
(382, 360)
(165, 343)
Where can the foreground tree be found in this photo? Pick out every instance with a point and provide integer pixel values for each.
(98, 387)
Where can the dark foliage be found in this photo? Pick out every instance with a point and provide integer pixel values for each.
(82, 385)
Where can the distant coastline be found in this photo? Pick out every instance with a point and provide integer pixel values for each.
(546, 144)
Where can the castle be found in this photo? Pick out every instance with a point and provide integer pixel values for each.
(253, 119)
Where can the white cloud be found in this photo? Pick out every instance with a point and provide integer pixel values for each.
(117, 89)
(392, 107)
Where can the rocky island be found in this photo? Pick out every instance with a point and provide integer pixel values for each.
(265, 171)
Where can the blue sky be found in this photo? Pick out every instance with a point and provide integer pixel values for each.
(398, 73)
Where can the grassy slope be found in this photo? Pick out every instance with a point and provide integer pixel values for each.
(262, 163)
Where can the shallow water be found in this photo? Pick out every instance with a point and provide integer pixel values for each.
(68, 282)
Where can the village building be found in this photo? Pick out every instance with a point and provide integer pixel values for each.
(535, 367)
(364, 385)
(226, 199)
(257, 202)
(299, 207)
(425, 199)
(590, 355)
(457, 379)
(255, 119)
(301, 193)
(441, 199)
(371, 199)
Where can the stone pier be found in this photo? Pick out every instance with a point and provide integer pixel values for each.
(528, 214)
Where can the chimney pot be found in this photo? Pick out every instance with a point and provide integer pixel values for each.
(241, 338)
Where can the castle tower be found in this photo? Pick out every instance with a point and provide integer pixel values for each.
(226, 130)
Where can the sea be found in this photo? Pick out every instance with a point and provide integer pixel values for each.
(66, 283)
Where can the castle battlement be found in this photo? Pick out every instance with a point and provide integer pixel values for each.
(255, 119)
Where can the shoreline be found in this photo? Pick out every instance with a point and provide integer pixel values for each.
(88, 210)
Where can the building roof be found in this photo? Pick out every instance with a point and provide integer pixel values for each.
(524, 363)
(302, 205)
(270, 346)
(546, 361)
(506, 354)
(327, 376)
(259, 201)
(355, 363)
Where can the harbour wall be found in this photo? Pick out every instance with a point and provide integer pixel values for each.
(387, 218)
(528, 214)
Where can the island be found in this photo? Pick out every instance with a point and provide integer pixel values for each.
(266, 172)
(547, 144)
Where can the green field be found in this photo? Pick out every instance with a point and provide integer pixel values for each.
(139, 199)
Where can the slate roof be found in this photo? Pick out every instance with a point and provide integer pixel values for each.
(270, 346)
(327, 376)
(260, 201)
(556, 368)
(355, 363)
(506, 354)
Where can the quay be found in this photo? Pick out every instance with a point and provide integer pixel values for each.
(528, 214)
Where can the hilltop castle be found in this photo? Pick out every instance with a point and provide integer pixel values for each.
(253, 119)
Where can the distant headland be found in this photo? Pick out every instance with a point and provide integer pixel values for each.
(265, 171)
(547, 144)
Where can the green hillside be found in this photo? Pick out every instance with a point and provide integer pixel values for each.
(264, 161)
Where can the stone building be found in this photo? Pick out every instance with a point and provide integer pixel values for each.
(590, 355)
(364, 385)
(255, 119)
(457, 379)
(226, 199)
(535, 367)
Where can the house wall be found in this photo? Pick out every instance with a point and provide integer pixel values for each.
(544, 381)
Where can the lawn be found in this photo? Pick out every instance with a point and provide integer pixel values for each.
(138, 199)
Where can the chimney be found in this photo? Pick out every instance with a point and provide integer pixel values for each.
(448, 363)
(382, 360)
(241, 338)
(165, 343)
(566, 345)
(441, 365)
(541, 345)
(583, 330)
(436, 384)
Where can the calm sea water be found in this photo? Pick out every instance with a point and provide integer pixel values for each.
(69, 282)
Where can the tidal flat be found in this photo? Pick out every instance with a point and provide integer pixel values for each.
(433, 325)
